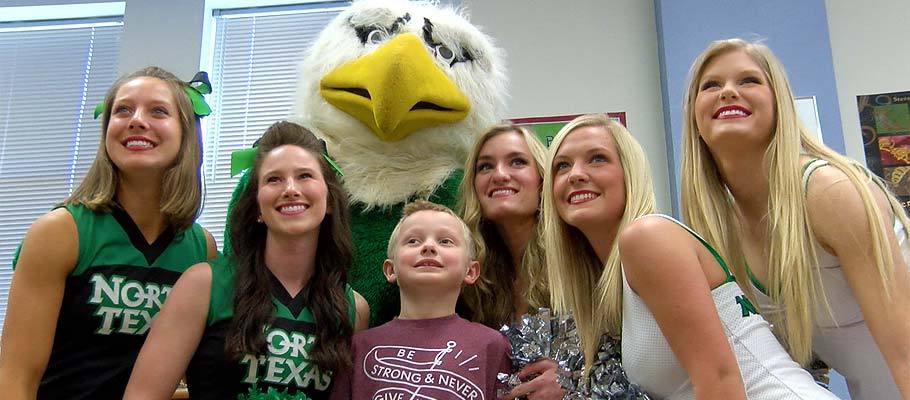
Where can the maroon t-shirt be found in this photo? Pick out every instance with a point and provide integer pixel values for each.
(444, 358)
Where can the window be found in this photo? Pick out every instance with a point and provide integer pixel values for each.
(254, 78)
(52, 73)
(254, 75)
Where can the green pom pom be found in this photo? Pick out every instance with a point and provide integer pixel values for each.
(271, 394)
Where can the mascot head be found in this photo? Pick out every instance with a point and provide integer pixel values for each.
(399, 91)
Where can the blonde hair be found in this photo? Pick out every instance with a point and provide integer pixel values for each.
(709, 208)
(579, 281)
(423, 205)
(490, 299)
(181, 185)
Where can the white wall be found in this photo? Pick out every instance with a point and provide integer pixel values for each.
(564, 57)
(583, 56)
(575, 57)
(166, 33)
(870, 51)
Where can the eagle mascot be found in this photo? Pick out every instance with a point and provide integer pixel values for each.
(398, 91)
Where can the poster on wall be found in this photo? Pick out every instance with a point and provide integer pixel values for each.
(545, 128)
(885, 122)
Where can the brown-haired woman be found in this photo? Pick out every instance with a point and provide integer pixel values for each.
(276, 312)
(500, 202)
(93, 272)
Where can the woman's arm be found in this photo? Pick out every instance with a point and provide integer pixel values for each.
(663, 267)
(175, 334)
(363, 313)
(49, 253)
(211, 248)
(849, 238)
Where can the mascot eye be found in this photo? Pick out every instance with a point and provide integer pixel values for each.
(445, 54)
(377, 36)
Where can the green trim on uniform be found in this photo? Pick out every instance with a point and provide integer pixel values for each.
(93, 230)
(282, 311)
(814, 164)
(221, 297)
(755, 281)
(808, 168)
(720, 261)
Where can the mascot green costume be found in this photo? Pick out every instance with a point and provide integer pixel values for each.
(398, 91)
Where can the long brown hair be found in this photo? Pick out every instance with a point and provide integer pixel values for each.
(324, 294)
(491, 299)
(181, 185)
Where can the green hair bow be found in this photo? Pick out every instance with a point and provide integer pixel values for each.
(194, 89)
(243, 159)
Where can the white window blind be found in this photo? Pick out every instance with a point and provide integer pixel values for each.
(51, 76)
(254, 77)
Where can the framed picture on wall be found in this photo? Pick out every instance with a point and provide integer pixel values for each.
(545, 128)
(808, 114)
(885, 122)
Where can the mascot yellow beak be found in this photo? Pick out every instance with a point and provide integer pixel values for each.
(395, 90)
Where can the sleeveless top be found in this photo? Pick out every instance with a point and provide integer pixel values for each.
(767, 370)
(117, 286)
(842, 339)
(285, 366)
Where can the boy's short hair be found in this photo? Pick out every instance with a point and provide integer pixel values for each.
(423, 205)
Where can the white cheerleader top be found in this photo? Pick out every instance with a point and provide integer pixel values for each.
(841, 338)
(767, 370)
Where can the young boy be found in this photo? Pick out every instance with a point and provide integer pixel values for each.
(427, 352)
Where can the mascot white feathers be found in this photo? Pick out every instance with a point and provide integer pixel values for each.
(398, 91)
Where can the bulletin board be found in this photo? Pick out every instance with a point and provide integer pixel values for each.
(545, 128)
(885, 122)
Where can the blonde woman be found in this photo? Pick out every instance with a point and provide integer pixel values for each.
(500, 202)
(623, 269)
(92, 273)
(820, 239)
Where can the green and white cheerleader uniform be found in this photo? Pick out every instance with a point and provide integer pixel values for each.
(767, 370)
(841, 337)
(117, 286)
(285, 367)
